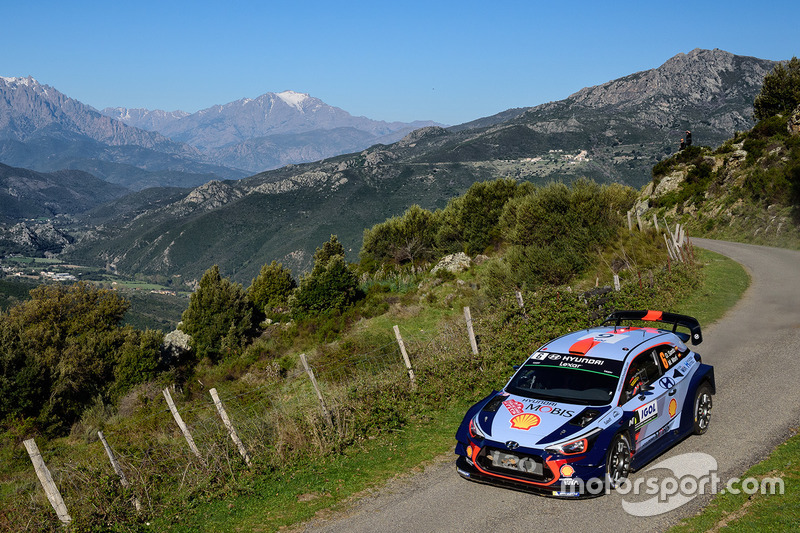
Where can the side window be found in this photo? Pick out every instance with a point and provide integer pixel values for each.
(643, 371)
(670, 355)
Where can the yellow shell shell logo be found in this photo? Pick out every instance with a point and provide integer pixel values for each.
(673, 407)
(525, 421)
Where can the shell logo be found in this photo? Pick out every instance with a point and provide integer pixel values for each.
(567, 470)
(673, 407)
(525, 421)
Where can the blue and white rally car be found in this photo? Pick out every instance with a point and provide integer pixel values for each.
(588, 408)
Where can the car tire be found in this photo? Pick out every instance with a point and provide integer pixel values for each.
(702, 409)
(618, 460)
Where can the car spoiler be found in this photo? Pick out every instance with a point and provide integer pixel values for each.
(659, 316)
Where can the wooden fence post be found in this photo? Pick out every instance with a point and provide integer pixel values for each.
(669, 248)
(472, 341)
(122, 479)
(616, 282)
(310, 373)
(630, 223)
(406, 360)
(520, 303)
(182, 425)
(638, 220)
(655, 222)
(231, 430)
(47, 481)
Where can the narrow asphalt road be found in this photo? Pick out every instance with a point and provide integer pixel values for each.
(755, 349)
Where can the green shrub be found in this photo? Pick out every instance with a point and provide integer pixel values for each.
(271, 288)
(409, 239)
(331, 286)
(220, 316)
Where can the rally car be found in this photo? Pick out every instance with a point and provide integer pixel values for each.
(588, 408)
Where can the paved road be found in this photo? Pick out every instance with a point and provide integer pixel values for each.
(755, 349)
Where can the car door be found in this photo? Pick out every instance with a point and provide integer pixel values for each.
(646, 399)
(674, 381)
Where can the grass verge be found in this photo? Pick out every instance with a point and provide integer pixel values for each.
(724, 282)
(756, 512)
(273, 502)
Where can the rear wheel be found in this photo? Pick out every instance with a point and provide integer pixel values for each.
(702, 409)
(618, 460)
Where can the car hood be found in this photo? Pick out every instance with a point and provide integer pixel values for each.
(527, 421)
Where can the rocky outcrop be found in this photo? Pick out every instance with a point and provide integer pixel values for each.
(453, 263)
(176, 347)
(35, 239)
(794, 122)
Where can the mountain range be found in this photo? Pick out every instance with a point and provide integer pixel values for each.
(614, 132)
(268, 132)
(45, 130)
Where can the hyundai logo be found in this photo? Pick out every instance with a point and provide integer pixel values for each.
(512, 445)
(667, 382)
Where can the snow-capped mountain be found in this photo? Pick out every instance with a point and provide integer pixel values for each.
(44, 130)
(269, 131)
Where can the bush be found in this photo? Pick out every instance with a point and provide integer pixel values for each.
(469, 222)
(400, 240)
(554, 230)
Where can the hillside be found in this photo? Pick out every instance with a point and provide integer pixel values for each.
(747, 190)
(27, 194)
(613, 132)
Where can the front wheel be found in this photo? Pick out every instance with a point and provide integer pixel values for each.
(618, 460)
(702, 409)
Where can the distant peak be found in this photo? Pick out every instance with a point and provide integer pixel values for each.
(20, 81)
(293, 98)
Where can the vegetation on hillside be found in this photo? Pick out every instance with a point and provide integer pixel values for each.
(748, 189)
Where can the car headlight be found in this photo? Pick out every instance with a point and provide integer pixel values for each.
(475, 430)
(575, 446)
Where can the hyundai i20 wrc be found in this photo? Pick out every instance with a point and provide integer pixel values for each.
(588, 408)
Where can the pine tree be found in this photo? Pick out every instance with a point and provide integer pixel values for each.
(220, 316)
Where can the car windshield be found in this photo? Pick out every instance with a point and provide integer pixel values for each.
(567, 378)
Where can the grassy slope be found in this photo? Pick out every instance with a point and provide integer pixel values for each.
(332, 482)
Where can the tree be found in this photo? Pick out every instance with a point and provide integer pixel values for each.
(220, 316)
(59, 351)
(469, 222)
(780, 93)
(331, 285)
(553, 231)
(330, 249)
(272, 287)
(410, 238)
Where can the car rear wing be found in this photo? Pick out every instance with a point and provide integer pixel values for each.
(675, 319)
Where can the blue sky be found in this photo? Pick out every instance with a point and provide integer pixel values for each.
(445, 61)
